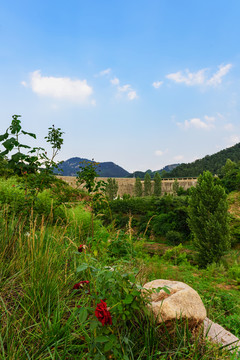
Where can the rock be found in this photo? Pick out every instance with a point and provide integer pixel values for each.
(216, 333)
(182, 302)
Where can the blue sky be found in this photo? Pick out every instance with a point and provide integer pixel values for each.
(141, 83)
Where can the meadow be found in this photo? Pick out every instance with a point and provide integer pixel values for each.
(59, 263)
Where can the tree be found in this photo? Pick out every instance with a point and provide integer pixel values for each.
(138, 187)
(157, 184)
(147, 185)
(208, 220)
(111, 188)
(175, 187)
(230, 176)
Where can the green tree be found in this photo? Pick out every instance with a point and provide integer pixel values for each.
(208, 220)
(96, 188)
(138, 187)
(147, 185)
(157, 184)
(175, 187)
(111, 188)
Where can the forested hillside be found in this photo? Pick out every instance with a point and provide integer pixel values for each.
(213, 163)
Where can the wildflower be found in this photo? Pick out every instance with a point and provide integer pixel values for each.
(102, 313)
(13, 185)
(80, 284)
(81, 248)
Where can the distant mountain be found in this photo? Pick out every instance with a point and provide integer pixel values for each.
(70, 167)
(213, 163)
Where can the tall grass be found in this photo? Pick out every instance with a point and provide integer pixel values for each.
(38, 309)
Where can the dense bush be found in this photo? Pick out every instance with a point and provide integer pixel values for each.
(208, 220)
(174, 237)
(157, 215)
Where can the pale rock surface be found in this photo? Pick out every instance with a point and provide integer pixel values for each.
(219, 335)
(182, 302)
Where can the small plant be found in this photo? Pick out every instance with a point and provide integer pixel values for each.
(176, 255)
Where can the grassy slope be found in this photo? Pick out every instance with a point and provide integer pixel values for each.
(38, 308)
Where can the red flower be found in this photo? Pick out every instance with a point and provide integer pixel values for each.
(81, 248)
(80, 284)
(103, 314)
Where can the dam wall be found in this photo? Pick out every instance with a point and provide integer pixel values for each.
(126, 185)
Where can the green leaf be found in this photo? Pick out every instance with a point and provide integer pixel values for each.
(101, 339)
(24, 146)
(166, 289)
(82, 267)
(132, 278)
(30, 134)
(10, 143)
(83, 314)
(128, 299)
(108, 346)
(18, 156)
(94, 324)
(4, 136)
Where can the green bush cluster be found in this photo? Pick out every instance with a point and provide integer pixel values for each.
(157, 215)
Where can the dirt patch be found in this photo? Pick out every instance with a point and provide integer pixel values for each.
(227, 286)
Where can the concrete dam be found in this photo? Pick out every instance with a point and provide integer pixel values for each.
(126, 185)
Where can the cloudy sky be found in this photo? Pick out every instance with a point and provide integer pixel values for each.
(142, 83)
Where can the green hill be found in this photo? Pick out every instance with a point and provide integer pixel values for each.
(213, 163)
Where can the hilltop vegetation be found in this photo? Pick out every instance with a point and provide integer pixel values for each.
(212, 163)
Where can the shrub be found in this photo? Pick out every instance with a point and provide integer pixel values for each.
(208, 220)
(176, 255)
(174, 237)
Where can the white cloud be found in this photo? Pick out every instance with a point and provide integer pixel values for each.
(23, 83)
(159, 152)
(61, 88)
(178, 157)
(157, 84)
(132, 95)
(197, 124)
(115, 81)
(130, 92)
(216, 79)
(105, 72)
(199, 78)
(188, 78)
(124, 88)
(209, 118)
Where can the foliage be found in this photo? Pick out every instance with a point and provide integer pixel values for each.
(174, 237)
(157, 189)
(176, 255)
(138, 187)
(87, 176)
(175, 187)
(208, 220)
(212, 163)
(164, 213)
(147, 185)
(19, 162)
(54, 137)
(111, 188)
(230, 176)
(52, 292)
